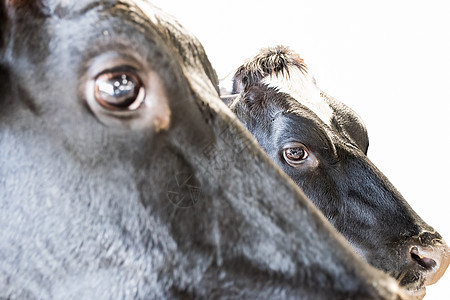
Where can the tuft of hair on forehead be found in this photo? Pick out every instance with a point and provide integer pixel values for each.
(268, 61)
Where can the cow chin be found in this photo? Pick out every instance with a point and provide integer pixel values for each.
(414, 283)
(409, 276)
(412, 275)
(416, 293)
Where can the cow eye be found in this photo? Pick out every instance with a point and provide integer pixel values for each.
(119, 90)
(295, 154)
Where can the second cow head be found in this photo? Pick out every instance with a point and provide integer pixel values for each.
(322, 145)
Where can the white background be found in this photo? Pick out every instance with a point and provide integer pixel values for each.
(388, 60)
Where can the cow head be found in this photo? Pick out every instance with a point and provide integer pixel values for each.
(322, 145)
(122, 175)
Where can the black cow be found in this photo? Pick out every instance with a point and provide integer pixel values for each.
(123, 176)
(322, 145)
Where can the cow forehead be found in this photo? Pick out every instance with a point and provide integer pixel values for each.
(72, 9)
(301, 86)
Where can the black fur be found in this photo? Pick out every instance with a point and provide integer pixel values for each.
(89, 206)
(351, 192)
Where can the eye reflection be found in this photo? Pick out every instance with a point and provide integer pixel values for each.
(295, 154)
(119, 90)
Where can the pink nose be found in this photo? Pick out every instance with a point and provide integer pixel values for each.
(433, 257)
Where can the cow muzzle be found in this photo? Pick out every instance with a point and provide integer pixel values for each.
(432, 255)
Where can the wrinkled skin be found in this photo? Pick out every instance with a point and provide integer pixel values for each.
(156, 192)
(322, 145)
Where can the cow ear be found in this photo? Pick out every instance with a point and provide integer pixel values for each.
(226, 85)
(358, 133)
(34, 7)
(229, 99)
(18, 11)
(226, 89)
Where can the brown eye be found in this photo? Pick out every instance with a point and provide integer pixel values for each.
(295, 154)
(119, 91)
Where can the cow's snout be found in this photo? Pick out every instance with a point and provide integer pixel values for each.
(432, 254)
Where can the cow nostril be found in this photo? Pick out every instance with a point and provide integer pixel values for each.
(425, 262)
(433, 259)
